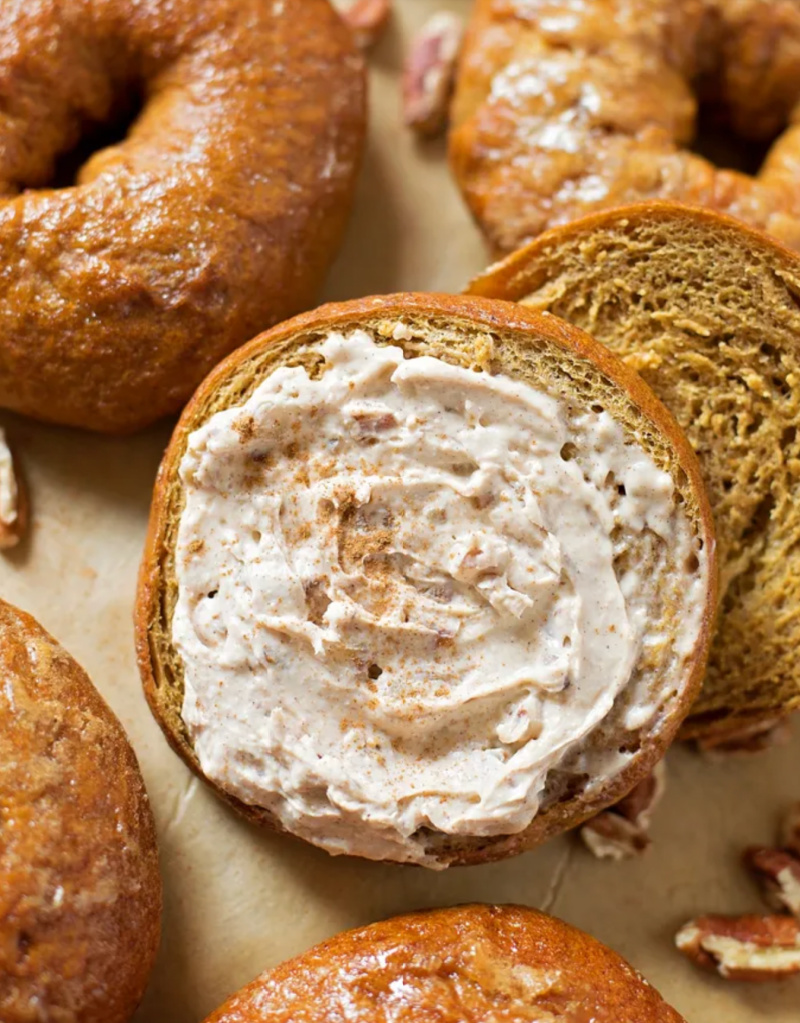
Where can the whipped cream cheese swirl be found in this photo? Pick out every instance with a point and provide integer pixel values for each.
(398, 608)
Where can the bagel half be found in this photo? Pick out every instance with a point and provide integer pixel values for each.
(486, 342)
(215, 217)
(461, 965)
(708, 311)
(80, 892)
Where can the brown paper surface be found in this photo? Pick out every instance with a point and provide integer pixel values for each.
(238, 900)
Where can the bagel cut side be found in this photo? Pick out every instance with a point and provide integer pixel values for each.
(80, 891)
(474, 344)
(215, 217)
(468, 964)
(708, 312)
(562, 109)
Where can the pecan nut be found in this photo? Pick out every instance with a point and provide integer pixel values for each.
(778, 871)
(367, 20)
(751, 948)
(429, 74)
(746, 737)
(790, 830)
(13, 502)
(621, 831)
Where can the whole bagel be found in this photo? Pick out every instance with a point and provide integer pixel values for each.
(469, 964)
(80, 893)
(562, 109)
(217, 215)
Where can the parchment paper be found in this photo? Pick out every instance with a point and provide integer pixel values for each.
(237, 900)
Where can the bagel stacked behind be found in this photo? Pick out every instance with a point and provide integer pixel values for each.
(470, 964)
(217, 216)
(80, 893)
(708, 311)
(565, 108)
(427, 579)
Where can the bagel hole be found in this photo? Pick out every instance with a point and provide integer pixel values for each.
(718, 143)
(96, 137)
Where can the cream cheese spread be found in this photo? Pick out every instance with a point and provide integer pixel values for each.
(398, 606)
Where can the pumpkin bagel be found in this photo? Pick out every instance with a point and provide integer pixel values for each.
(80, 892)
(562, 109)
(468, 964)
(428, 579)
(215, 217)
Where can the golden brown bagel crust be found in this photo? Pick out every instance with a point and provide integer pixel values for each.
(470, 964)
(708, 311)
(564, 108)
(231, 382)
(217, 216)
(80, 892)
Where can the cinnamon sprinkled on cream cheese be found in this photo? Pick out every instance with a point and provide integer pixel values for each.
(398, 605)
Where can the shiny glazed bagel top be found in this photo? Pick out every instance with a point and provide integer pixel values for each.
(470, 964)
(215, 217)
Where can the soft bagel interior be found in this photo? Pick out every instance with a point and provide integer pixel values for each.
(486, 337)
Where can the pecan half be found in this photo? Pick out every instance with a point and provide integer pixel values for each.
(13, 501)
(749, 948)
(790, 829)
(746, 737)
(621, 831)
(778, 871)
(429, 73)
(367, 20)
